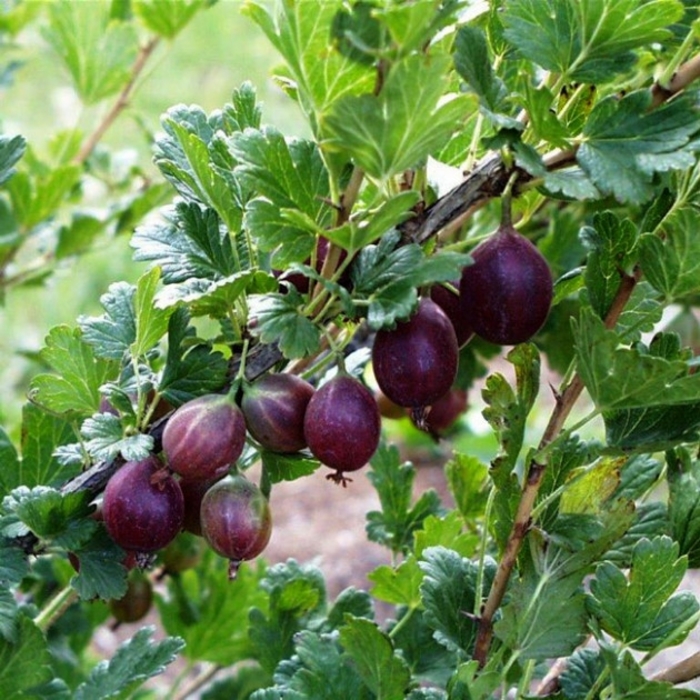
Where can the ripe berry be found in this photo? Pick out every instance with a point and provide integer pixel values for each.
(416, 363)
(236, 520)
(193, 491)
(143, 506)
(507, 292)
(443, 414)
(204, 437)
(136, 602)
(274, 408)
(449, 302)
(342, 425)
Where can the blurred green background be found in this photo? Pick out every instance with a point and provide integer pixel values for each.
(213, 55)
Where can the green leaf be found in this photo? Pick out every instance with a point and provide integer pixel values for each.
(506, 412)
(392, 212)
(36, 198)
(625, 144)
(210, 612)
(650, 520)
(10, 460)
(105, 439)
(684, 508)
(395, 525)
(151, 321)
(672, 265)
(629, 681)
(412, 26)
(652, 429)
(398, 585)
(301, 32)
(134, 662)
(372, 654)
(189, 371)
(296, 594)
(581, 674)
(42, 433)
(287, 467)
(101, 574)
(190, 244)
(611, 243)
(629, 377)
(385, 277)
(544, 618)
(51, 515)
(587, 40)
(12, 148)
(636, 610)
(194, 156)
(168, 19)
(8, 614)
(393, 131)
(76, 386)
(448, 591)
(284, 174)
(467, 478)
(473, 63)
(321, 672)
(97, 51)
(24, 662)
(589, 489)
(280, 319)
(112, 334)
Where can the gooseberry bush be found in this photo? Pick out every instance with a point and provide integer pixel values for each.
(488, 190)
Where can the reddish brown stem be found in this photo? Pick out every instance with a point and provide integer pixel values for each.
(521, 525)
(119, 105)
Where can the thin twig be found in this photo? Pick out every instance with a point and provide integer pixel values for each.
(119, 105)
(681, 672)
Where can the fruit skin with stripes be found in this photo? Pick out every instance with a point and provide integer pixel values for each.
(507, 292)
(274, 407)
(416, 362)
(342, 425)
(204, 437)
(236, 520)
(143, 507)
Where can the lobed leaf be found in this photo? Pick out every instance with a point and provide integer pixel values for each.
(25, 662)
(97, 51)
(641, 611)
(372, 655)
(394, 526)
(625, 144)
(387, 133)
(587, 40)
(134, 662)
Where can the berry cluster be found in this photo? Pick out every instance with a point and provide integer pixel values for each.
(504, 297)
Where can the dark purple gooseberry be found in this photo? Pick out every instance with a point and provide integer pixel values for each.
(204, 437)
(236, 520)
(342, 425)
(143, 506)
(443, 414)
(274, 408)
(193, 491)
(506, 293)
(416, 363)
(449, 302)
